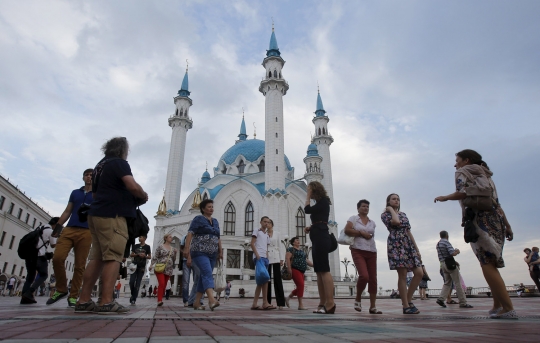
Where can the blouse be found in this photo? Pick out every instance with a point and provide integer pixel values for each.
(361, 243)
(320, 211)
(274, 248)
(205, 239)
(162, 256)
(298, 260)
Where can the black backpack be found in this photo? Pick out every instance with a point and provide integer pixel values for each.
(28, 244)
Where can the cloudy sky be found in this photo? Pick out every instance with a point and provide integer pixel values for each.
(406, 85)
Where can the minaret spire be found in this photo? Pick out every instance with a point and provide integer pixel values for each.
(243, 134)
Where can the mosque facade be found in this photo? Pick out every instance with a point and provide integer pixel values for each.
(253, 178)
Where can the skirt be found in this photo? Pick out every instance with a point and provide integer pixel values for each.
(320, 238)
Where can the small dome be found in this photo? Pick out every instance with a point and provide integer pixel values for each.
(205, 177)
(251, 149)
(312, 150)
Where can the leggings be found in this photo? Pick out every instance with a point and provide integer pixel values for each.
(162, 282)
(298, 278)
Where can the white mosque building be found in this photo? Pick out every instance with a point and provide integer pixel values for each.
(253, 178)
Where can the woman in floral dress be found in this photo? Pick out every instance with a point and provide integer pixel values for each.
(165, 253)
(492, 227)
(403, 253)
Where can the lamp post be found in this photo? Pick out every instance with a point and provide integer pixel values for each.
(356, 270)
(245, 246)
(307, 249)
(346, 264)
(285, 242)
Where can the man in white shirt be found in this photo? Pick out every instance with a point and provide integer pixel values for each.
(11, 285)
(39, 264)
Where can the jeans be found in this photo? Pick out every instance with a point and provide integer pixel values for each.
(135, 283)
(39, 264)
(188, 297)
(205, 264)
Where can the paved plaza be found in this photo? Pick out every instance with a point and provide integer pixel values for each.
(233, 321)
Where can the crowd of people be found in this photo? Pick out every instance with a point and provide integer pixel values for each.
(110, 195)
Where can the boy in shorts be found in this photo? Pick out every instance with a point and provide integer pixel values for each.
(259, 245)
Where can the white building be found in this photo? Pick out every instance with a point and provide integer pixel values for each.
(253, 178)
(19, 214)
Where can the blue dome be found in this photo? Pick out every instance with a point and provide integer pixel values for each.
(251, 149)
(312, 150)
(205, 177)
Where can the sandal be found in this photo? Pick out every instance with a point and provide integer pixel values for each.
(254, 308)
(330, 310)
(507, 315)
(320, 309)
(269, 307)
(200, 308)
(452, 302)
(302, 308)
(466, 306)
(357, 306)
(214, 305)
(411, 310)
(494, 311)
(374, 311)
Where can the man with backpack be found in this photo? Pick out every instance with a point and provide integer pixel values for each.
(33, 247)
(76, 236)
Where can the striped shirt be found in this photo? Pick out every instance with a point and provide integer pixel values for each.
(444, 249)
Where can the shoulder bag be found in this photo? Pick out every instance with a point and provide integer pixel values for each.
(449, 261)
(344, 239)
(160, 267)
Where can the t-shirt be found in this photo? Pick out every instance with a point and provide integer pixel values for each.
(12, 281)
(361, 243)
(261, 243)
(45, 238)
(111, 197)
(141, 261)
(118, 286)
(298, 260)
(77, 198)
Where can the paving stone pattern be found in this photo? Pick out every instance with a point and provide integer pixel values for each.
(233, 321)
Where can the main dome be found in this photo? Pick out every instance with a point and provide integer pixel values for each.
(251, 149)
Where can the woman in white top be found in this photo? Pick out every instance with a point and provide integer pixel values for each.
(276, 261)
(364, 254)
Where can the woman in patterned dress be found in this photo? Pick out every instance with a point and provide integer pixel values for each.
(403, 253)
(491, 226)
(165, 253)
(297, 263)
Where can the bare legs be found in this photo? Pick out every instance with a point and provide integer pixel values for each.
(325, 284)
(258, 289)
(209, 293)
(405, 294)
(498, 288)
(108, 271)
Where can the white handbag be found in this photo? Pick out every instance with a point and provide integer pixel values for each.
(219, 281)
(344, 239)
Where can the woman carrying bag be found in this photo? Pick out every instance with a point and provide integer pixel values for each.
(163, 264)
(276, 261)
(297, 263)
(423, 284)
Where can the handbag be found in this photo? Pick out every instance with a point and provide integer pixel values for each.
(219, 281)
(285, 275)
(333, 243)
(449, 261)
(160, 267)
(343, 239)
(261, 274)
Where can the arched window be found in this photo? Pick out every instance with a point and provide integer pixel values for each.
(181, 112)
(300, 225)
(323, 131)
(248, 228)
(224, 170)
(269, 74)
(261, 166)
(280, 75)
(241, 166)
(276, 168)
(230, 219)
(205, 196)
(276, 151)
(276, 119)
(276, 135)
(176, 113)
(275, 73)
(319, 131)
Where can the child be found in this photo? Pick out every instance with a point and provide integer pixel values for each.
(534, 257)
(259, 245)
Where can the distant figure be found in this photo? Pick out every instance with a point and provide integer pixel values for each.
(228, 290)
(520, 289)
(11, 285)
(533, 263)
(424, 284)
(150, 290)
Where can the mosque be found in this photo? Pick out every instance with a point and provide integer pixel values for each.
(253, 178)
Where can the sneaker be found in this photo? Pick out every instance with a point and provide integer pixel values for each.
(112, 308)
(185, 304)
(441, 303)
(55, 297)
(88, 307)
(26, 299)
(132, 302)
(72, 302)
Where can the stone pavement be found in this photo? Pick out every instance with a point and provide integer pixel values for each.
(233, 321)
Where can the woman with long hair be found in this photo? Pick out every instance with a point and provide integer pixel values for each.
(276, 261)
(166, 254)
(322, 244)
(491, 226)
(403, 253)
(203, 240)
(297, 263)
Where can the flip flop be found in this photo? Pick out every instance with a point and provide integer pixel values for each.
(452, 302)
(269, 307)
(256, 308)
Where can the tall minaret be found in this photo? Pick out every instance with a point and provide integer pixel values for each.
(274, 87)
(313, 165)
(180, 123)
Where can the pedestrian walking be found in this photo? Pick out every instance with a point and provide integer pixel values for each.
(75, 236)
(163, 266)
(116, 193)
(188, 270)
(489, 225)
(139, 255)
(228, 290)
(364, 254)
(275, 260)
(423, 285)
(319, 234)
(297, 262)
(168, 289)
(403, 253)
(205, 248)
(11, 285)
(533, 264)
(117, 289)
(150, 290)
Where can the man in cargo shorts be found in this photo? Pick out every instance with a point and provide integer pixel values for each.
(116, 193)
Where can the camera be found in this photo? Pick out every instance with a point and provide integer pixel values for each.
(82, 212)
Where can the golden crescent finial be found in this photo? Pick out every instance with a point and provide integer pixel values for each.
(242, 113)
(254, 130)
(272, 23)
(187, 65)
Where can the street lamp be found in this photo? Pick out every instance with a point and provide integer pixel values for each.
(246, 245)
(346, 264)
(285, 242)
(356, 270)
(307, 249)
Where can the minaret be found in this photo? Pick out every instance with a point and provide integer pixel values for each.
(274, 87)
(180, 123)
(243, 135)
(313, 165)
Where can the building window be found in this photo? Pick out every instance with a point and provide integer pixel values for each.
(276, 151)
(205, 196)
(5, 267)
(2, 200)
(11, 243)
(13, 269)
(276, 119)
(19, 214)
(300, 225)
(233, 258)
(241, 166)
(261, 166)
(249, 220)
(276, 168)
(27, 218)
(275, 73)
(2, 239)
(21, 272)
(34, 223)
(230, 219)
(11, 207)
(248, 260)
(319, 131)
(276, 135)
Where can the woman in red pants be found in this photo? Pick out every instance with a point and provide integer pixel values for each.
(297, 263)
(364, 254)
(166, 254)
